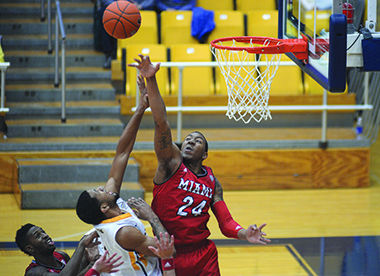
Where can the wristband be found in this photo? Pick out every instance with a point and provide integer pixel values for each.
(167, 264)
(92, 272)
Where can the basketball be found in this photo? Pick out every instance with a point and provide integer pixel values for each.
(121, 19)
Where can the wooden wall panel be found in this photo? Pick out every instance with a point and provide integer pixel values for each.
(263, 162)
(277, 169)
(341, 168)
(8, 174)
(264, 182)
(249, 169)
(148, 166)
(59, 154)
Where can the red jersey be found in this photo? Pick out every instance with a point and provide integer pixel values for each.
(57, 255)
(182, 204)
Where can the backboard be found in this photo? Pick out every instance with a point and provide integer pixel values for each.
(324, 26)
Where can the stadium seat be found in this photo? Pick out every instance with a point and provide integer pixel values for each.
(227, 23)
(237, 74)
(176, 27)
(249, 5)
(220, 83)
(157, 53)
(322, 21)
(288, 80)
(216, 4)
(262, 23)
(148, 32)
(196, 80)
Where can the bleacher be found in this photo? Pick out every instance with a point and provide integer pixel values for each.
(167, 37)
(289, 140)
(205, 86)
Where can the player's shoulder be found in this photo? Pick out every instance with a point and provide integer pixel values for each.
(208, 169)
(129, 230)
(129, 237)
(36, 271)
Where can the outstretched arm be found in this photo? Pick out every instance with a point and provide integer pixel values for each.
(168, 154)
(126, 142)
(105, 264)
(165, 251)
(229, 227)
(130, 238)
(88, 241)
(145, 212)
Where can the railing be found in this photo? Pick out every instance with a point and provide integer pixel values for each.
(43, 17)
(196, 109)
(3, 109)
(3, 68)
(59, 30)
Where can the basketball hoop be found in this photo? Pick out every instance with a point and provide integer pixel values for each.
(249, 65)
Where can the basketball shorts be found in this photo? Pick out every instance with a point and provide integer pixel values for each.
(200, 260)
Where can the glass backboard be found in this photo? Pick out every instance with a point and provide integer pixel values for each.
(324, 26)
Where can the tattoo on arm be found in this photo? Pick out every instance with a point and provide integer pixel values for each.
(165, 139)
(218, 195)
(157, 226)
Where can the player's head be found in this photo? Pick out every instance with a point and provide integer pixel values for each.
(92, 205)
(32, 240)
(194, 147)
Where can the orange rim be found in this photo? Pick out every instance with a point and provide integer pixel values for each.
(270, 45)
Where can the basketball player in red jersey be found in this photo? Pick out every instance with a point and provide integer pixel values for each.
(185, 190)
(33, 241)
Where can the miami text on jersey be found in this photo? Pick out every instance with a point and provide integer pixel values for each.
(196, 188)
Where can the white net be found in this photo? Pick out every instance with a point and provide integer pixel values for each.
(248, 78)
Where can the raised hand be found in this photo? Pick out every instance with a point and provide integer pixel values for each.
(255, 235)
(164, 246)
(141, 83)
(145, 66)
(92, 254)
(142, 209)
(108, 265)
(90, 240)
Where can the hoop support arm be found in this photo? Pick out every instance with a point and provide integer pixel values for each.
(298, 47)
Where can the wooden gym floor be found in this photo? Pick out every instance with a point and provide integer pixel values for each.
(298, 221)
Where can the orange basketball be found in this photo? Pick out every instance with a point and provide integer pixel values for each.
(121, 19)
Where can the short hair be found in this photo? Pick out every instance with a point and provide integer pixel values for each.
(88, 209)
(204, 138)
(21, 237)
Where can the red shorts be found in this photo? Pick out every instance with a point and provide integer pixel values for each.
(200, 260)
